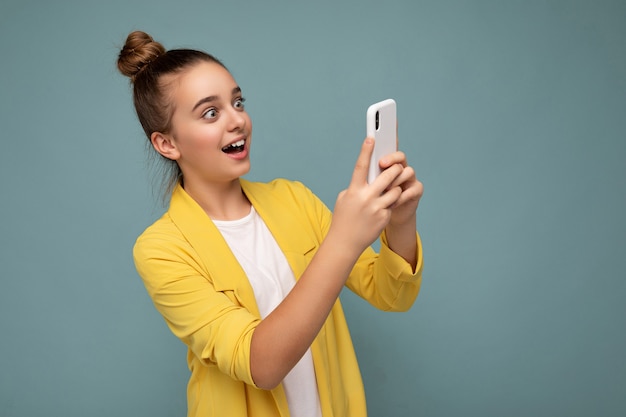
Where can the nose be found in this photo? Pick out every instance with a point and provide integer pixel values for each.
(237, 119)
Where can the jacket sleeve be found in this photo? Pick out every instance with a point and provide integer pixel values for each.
(384, 279)
(211, 323)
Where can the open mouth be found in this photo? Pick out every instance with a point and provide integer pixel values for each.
(234, 147)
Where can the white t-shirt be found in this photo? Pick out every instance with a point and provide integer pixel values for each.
(271, 278)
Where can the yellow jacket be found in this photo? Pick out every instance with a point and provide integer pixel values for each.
(204, 295)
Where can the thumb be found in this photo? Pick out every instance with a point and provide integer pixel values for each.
(359, 175)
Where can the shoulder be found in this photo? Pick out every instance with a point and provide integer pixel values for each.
(163, 249)
(287, 202)
(280, 190)
(277, 186)
(161, 234)
(161, 227)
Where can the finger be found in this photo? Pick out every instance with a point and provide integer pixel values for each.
(359, 175)
(412, 193)
(391, 197)
(406, 177)
(386, 178)
(397, 157)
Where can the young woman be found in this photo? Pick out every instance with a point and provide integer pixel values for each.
(248, 274)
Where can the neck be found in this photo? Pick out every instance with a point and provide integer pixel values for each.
(224, 201)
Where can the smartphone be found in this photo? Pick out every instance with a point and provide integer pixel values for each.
(382, 125)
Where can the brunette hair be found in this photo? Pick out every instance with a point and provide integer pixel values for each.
(147, 63)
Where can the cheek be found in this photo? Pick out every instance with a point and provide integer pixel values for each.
(204, 137)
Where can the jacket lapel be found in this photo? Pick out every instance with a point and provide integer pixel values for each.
(222, 268)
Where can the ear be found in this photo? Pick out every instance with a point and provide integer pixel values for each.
(165, 145)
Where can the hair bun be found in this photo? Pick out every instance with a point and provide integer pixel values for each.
(138, 51)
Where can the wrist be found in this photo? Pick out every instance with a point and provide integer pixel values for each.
(341, 244)
(401, 239)
(401, 224)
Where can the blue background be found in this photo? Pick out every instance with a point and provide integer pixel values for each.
(513, 114)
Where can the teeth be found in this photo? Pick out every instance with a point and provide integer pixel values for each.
(234, 146)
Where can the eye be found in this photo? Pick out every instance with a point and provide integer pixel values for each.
(239, 103)
(210, 114)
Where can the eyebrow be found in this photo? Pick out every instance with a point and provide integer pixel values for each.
(209, 99)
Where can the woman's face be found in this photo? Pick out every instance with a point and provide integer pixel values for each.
(211, 131)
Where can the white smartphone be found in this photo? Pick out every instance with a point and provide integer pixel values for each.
(382, 125)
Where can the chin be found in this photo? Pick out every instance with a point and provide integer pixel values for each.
(245, 169)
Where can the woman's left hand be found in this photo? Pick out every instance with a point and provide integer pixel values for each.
(403, 219)
(405, 208)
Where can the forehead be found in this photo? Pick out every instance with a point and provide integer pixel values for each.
(202, 80)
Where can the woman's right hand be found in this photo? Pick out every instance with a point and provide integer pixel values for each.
(363, 210)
